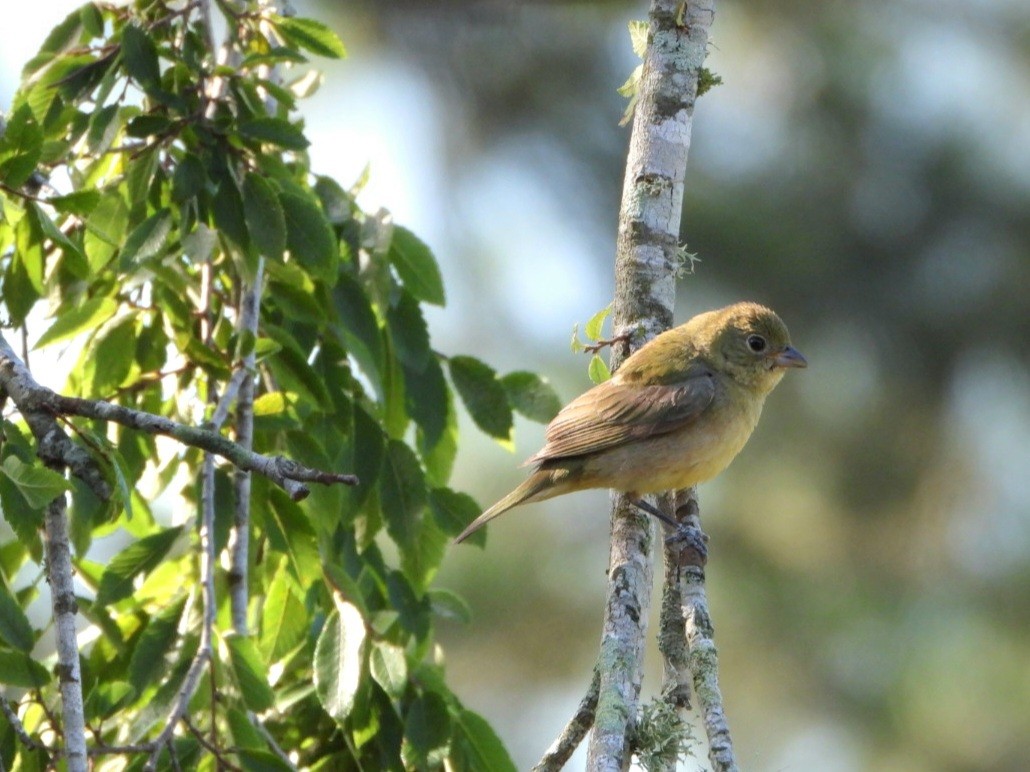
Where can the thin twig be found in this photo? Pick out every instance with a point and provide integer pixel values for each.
(593, 348)
(572, 735)
(215, 751)
(19, 728)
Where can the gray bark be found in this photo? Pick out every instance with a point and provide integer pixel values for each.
(648, 259)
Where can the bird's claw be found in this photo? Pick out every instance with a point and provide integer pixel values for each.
(691, 537)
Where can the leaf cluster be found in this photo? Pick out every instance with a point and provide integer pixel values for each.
(145, 183)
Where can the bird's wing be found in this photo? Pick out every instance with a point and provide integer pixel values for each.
(615, 413)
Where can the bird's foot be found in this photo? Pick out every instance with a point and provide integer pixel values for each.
(689, 537)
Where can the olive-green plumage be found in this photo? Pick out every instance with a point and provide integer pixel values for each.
(674, 415)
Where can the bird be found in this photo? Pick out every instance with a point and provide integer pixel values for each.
(675, 414)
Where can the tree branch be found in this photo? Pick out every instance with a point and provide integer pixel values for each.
(702, 655)
(62, 599)
(572, 735)
(645, 287)
(39, 405)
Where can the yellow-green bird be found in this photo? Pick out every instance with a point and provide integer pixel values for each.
(674, 415)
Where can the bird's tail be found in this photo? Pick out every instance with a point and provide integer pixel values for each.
(536, 483)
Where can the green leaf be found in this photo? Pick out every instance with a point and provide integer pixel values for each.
(147, 239)
(105, 229)
(427, 401)
(19, 294)
(409, 332)
(264, 216)
(36, 483)
(338, 660)
(453, 511)
(312, 35)
(259, 760)
(139, 54)
(284, 622)
(28, 247)
(598, 370)
(483, 395)
(23, 519)
(531, 395)
(479, 746)
(427, 729)
(19, 669)
(289, 533)
(449, 605)
(402, 492)
(88, 316)
(227, 209)
(21, 146)
(74, 257)
(15, 627)
(416, 266)
(251, 673)
(111, 358)
(596, 323)
(276, 131)
(139, 558)
(308, 235)
(359, 327)
(148, 663)
(389, 668)
(188, 179)
(107, 698)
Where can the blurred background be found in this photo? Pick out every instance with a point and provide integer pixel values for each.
(865, 170)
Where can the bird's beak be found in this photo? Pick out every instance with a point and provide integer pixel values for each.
(790, 357)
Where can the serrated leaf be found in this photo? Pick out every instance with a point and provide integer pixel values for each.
(402, 492)
(276, 131)
(139, 54)
(251, 673)
(147, 239)
(36, 483)
(427, 729)
(264, 216)
(427, 401)
(284, 622)
(88, 316)
(112, 358)
(416, 266)
(312, 35)
(21, 146)
(359, 327)
(598, 370)
(483, 395)
(19, 669)
(138, 558)
(308, 235)
(149, 657)
(531, 395)
(15, 627)
(409, 332)
(338, 660)
(389, 667)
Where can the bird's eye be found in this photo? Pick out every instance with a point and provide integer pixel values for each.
(756, 343)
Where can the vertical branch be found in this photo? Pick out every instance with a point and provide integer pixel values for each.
(702, 655)
(62, 596)
(647, 260)
(239, 538)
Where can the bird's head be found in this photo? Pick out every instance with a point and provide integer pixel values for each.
(750, 343)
